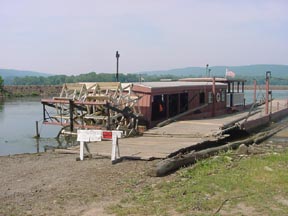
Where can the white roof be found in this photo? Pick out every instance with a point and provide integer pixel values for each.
(176, 84)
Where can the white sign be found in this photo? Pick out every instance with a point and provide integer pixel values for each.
(97, 135)
(89, 135)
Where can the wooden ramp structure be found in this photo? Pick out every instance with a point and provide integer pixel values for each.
(164, 141)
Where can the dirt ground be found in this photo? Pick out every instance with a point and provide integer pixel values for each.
(57, 184)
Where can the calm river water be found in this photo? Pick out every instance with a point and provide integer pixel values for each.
(17, 126)
(18, 117)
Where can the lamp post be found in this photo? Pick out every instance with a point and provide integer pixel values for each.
(207, 65)
(117, 66)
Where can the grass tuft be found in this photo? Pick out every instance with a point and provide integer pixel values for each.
(225, 184)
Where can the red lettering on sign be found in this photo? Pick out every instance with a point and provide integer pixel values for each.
(107, 135)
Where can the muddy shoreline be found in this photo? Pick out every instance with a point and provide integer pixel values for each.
(57, 184)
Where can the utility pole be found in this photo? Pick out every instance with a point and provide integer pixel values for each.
(268, 76)
(117, 66)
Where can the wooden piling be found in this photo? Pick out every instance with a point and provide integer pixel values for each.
(37, 130)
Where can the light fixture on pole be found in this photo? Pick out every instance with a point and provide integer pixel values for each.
(117, 66)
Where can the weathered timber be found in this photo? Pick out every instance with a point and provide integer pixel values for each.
(220, 133)
(168, 121)
(265, 135)
(169, 165)
(66, 151)
(94, 105)
(232, 123)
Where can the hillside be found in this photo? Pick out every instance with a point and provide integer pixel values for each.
(9, 74)
(4, 73)
(249, 70)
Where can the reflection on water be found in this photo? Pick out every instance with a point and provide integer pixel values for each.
(279, 94)
(18, 127)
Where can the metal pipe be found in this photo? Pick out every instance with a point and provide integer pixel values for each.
(71, 108)
(214, 97)
(268, 75)
(270, 93)
(44, 111)
(255, 87)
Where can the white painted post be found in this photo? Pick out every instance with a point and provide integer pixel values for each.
(115, 154)
(114, 147)
(117, 148)
(81, 150)
(87, 136)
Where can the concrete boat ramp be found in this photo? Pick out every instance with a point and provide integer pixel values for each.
(161, 142)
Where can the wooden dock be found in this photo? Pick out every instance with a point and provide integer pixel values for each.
(161, 142)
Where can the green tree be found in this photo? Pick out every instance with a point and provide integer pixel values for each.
(1, 84)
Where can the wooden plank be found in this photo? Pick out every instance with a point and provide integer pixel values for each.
(74, 86)
(98, 97)
(109, 85)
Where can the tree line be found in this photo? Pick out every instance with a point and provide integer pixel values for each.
(89, 77)
(125, 78)
(1, 85)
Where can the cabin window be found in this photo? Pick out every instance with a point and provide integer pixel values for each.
(159, 108)
(173, 105)
(201, 97)
(223, 95)
(210, 97)
(183, 102)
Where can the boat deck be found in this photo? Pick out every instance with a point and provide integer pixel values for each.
(160, 142)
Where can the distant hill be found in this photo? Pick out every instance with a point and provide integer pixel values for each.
(4, 73)
(249, 70)
(9, 74)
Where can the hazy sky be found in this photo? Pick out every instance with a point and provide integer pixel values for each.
(80, 36)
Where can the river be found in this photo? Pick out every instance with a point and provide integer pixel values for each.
(18, 117)
(17, 126)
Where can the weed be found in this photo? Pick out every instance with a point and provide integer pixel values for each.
(223, 183)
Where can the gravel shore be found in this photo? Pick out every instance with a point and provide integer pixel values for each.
(57, 184)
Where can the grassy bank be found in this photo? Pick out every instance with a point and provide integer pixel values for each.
(224, 185)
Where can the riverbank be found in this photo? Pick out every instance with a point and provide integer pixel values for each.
(57, 184)
(32, 90)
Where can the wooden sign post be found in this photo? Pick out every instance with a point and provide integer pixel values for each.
(84, 136)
